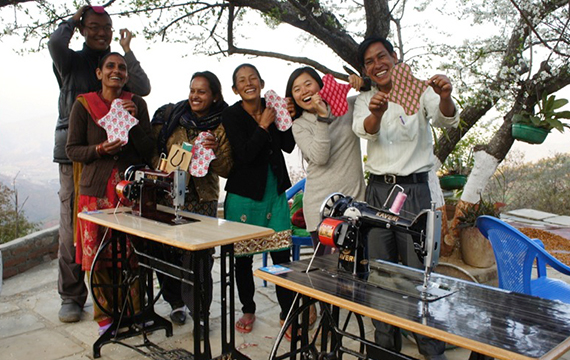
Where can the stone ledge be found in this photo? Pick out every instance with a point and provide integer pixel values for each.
(31, 250)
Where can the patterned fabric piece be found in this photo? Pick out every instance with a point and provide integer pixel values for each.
(283, 120)
(201, 157)
(335, 95)
(278, 241)
(117, 122)
(406, 89)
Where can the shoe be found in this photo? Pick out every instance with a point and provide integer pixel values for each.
(70, 311)
(245, 325)
(178, 315)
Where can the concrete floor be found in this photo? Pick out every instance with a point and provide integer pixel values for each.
(30, 329)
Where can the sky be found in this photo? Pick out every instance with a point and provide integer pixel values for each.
(29, 92)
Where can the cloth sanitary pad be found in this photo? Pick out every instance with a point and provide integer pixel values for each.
(117, 122)
(283, 120)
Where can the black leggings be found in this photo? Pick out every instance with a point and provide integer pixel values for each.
(246, 286)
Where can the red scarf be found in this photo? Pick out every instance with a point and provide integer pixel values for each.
(98, 107)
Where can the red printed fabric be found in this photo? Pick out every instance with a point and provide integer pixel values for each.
(117, 122)
(283, 120)
(335, 95)
(406, 89)
(201, 157)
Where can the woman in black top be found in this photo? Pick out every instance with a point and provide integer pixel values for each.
(256, 185)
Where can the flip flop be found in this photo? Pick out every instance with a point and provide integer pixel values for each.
(312, 316)
(245, 326)
(288, 332)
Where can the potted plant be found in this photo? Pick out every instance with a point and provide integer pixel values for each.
(476, 250)
(455, 169)
(533, 128)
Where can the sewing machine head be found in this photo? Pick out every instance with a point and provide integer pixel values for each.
(345, 224)
(144, 187)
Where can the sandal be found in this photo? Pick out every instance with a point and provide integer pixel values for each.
(312, 316)
(288, 332)
(245, 325)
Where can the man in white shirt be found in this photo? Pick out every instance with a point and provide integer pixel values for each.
(400, 151)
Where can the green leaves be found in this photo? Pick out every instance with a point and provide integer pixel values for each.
(483, 207)
(547, 117)
(13, 221)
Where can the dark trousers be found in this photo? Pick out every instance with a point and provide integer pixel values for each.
(246, 286)
(178, 293)
(70, 281)
(394, 246)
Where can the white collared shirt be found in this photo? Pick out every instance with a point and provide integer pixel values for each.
(404, 143)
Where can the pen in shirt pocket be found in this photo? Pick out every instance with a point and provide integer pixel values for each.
(402, 120)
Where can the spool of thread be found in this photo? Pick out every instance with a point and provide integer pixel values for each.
(163, 163)
(398, 203)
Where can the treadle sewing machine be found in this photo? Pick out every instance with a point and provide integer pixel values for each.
(345, 224)
(488, 321)
(148, 226)
(150, 185)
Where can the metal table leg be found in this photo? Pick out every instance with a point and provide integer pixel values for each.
(128, 321)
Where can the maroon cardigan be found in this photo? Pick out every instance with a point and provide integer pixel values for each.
(84, 135)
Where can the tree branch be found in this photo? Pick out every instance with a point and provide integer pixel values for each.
(323, 25)
(12, 2)
(377, 18)
(533, 28)
(301, 60)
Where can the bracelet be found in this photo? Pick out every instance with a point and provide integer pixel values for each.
(264, 127)
(100, 150)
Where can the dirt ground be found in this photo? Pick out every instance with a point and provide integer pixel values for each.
(556, 245)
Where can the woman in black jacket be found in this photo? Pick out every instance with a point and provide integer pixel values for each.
(256, 186)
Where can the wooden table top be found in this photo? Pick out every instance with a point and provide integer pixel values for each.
(484, 319)
(206, 233)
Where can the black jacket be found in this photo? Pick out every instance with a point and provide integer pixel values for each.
(75, 73)
(254, 150)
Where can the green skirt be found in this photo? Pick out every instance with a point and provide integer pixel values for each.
(271, 211)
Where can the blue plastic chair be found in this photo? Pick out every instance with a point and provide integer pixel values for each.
(298, 241)
(515, 254)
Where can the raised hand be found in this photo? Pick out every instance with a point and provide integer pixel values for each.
(441, 85)
(125, 39)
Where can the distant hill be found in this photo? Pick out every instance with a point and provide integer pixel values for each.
(42, 204)
(26, 149)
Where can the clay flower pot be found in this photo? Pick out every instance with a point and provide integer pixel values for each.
(476, 250)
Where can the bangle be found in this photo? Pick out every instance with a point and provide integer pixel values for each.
(100, 150)
(264, 127)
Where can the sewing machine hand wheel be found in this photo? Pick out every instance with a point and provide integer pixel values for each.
(331, 206)
(122, 287)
